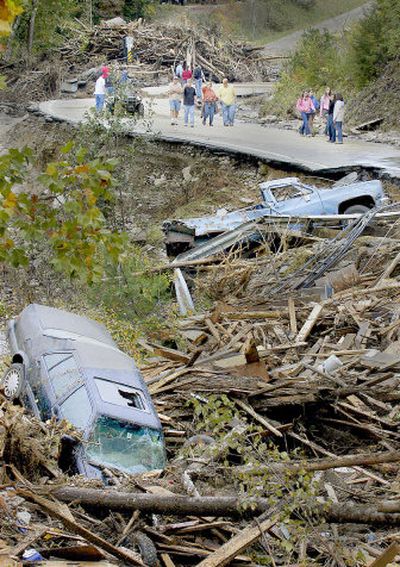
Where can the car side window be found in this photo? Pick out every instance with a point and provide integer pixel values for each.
(63, 372)
(287, 192)
(77, 408)
(119, 394)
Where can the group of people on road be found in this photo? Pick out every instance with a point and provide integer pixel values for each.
(330, 108)
(191, 89)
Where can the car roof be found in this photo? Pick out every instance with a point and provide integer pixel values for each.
(279, 182)
(62, 324)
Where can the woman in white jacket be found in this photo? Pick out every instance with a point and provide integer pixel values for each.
(338, 115)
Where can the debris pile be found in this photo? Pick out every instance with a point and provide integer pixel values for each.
(163, 46)
(280, 409)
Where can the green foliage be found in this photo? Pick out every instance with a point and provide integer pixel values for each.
(61, 215)
(374, 41)
(316, 63)
(52, 20)
(239, 442)
(130, 288)
(134, 9)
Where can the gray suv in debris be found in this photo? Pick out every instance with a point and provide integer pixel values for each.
(69, 366)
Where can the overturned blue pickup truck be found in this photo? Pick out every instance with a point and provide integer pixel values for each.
(287, 197)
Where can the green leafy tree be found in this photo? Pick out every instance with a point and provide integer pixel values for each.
(134, 9)
(375, 41)
(58, 213)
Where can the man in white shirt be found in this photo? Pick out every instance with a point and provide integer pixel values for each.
(338, 115)
(100, 93)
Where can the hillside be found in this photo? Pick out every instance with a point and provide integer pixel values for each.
(258, 20)
(380, 99)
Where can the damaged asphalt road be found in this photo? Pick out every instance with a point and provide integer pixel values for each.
(281, 148)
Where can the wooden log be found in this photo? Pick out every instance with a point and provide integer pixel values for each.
(185, 505)
(326, 464)
(158, 504)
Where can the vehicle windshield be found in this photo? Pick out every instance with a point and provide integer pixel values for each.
(126, 446)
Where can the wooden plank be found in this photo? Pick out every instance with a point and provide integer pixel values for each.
(292, 316)
(167, 560)
(170, 353)
(387, 556)
(388, 271)
(309, 324)
(238, 543)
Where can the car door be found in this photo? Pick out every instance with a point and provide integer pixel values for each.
(295, 199)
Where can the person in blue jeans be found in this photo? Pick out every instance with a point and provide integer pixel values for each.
(209, 103)
(189, 99)
(338, 115)
(330, 124)
(198, 76)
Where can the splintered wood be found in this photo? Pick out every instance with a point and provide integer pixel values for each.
(316, 380)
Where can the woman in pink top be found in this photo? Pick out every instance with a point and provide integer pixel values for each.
(305, 106)
(186, 75)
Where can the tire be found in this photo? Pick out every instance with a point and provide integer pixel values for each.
(12, 381)
(146, 548)
(354, 209)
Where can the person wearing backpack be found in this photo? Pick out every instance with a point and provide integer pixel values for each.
(198, 76)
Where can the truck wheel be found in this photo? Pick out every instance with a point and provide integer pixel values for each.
(354, 209)
(146, 548)
(12, 380)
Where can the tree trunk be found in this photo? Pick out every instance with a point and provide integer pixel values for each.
(31, 32)
(218, 505)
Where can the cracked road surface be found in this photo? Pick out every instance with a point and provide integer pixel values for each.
(283, 148)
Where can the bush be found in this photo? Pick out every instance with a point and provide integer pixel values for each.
(317, 62)
(374, 42)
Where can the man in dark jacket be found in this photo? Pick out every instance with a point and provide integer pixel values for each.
(189, 99)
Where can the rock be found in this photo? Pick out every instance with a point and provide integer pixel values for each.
(160, 181)
(187, 176)
(70, 86)
(34, 108)
(90, 74)
(114, 22)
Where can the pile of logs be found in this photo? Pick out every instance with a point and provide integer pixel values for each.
(316, 375)
(163, 46)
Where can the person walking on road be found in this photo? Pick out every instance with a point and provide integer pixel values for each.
(175, 96)
(100, 92)
(305, 107)
(338, 115)
(189, 99)
(179, 70)
(186, 74)
(331, 126)
(209, 103)
(198, 76)
(311, 116)
(227, 97)
(324, 107)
